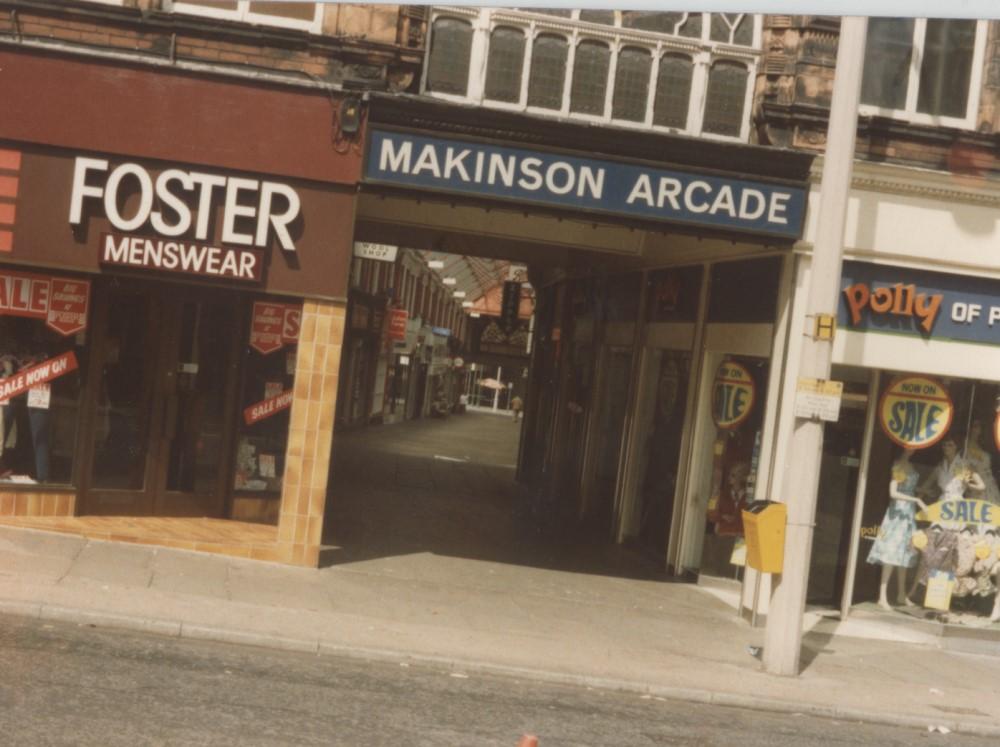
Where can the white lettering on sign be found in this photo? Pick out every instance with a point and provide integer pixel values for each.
(247, 200)
(381, 252)
(177, 256)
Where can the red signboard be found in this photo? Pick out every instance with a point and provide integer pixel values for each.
(267, 408)
(61, 302)
(397, 324)
(40, 373)
(291, 323)
(266, 327)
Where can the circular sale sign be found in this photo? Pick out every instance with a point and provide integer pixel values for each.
(915, 411)
(733, 395)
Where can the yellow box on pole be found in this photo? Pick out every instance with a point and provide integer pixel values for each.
(764, 530)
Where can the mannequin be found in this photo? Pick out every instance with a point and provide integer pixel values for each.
(979, 462)
(893, 549)
(953, 476)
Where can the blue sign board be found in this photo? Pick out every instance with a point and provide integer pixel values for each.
(586, 184)
(932, 305)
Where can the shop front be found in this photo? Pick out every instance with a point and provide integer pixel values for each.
(167, 327)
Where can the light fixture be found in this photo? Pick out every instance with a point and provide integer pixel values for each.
(435, 264)
(466, 304)
(449, 281)
(459, 294)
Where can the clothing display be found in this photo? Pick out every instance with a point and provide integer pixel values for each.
(939, 554)
(893, 545)
(949, 476)
(980, 463)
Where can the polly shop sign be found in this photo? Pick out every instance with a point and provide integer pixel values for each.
(62, 303)
(733, 395)
(932, 305)
(915, 411)
(251, 208)
(40, 373)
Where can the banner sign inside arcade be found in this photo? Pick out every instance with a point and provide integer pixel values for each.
(932, 305)
(62, 303)
(915, 411)
(733, 395)
(587, 184)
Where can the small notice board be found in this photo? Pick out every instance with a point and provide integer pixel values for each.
(815, 398)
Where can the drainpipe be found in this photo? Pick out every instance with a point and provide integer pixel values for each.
(783, 637)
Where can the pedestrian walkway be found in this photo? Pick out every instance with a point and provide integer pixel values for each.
(413, 575)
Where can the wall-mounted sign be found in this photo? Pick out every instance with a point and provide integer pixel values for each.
(915, 411)
(956, 514)
(188, 258)
(267, 408)
(40, 373)
(251, 209)
(61, 302)
(397, 324)
(815, 398)
(274, 325)
(510, 304)
(379, 252)
(733, 395)
(586, 184)
(932, 305)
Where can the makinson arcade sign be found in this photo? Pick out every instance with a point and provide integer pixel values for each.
(587, 184)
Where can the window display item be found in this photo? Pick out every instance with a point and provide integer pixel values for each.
(980, 462)
(893, 547)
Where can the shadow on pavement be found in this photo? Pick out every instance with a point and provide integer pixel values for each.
(448, 487)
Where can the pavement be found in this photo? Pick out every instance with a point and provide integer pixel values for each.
(428, 560)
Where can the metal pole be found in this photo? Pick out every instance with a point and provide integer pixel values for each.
(783, 637)
(496, 392)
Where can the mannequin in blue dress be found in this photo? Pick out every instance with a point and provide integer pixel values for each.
(893, 548)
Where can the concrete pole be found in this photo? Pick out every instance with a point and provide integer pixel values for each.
(783, 637)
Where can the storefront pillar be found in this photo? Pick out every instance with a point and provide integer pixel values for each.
(307, 461)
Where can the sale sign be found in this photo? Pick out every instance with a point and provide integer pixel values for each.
(274, 325)
(915, 411)
(267, 408)
(40, 373)
(397, 324)
(62, 303)
(733, 395)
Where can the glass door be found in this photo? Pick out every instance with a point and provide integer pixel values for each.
(164, 403)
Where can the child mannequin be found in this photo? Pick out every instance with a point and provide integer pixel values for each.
(892, 548)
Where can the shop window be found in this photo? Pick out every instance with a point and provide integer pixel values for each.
(505, 65)
(725, 98)
(590, 78)
(448, 64)
(262, 438)
(925, 70)
(745, 291)
(38, 427)
(631, 84)
(306, 16)
(929, 543)
(548, 72)
(673, 91)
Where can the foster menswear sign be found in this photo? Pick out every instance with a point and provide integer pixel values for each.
(587, 184)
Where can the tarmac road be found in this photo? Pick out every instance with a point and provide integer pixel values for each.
(73, 684)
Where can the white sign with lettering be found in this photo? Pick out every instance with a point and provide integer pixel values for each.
(381, 252)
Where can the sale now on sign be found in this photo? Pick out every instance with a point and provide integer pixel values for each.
(40, 373)
(61, 302)
(733, 395)
(267, 408)
(915, 411)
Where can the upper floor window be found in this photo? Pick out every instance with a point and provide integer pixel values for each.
(306, 16)
(690, 72)
(927, 71)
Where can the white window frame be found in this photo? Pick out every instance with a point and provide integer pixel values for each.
(702, 51)
(244, 14)
(909, 113)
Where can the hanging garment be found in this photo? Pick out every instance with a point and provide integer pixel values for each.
(940, 553)
(965, 581)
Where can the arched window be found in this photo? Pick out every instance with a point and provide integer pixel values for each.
(673, 91)
(504, 65)
(451, 48)
(724, 101)
(590, 78)
(631, 84)
(548, 71)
